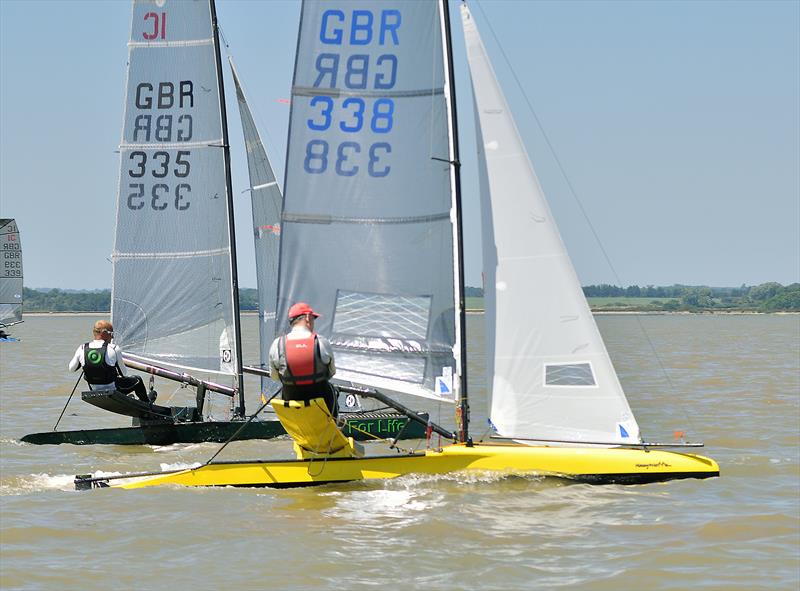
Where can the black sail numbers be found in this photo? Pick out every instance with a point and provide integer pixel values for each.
(158, 178)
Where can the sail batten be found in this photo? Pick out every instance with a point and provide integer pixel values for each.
(167, 146)
(549, 374)
(326, 219)
(163, 44)
(172, 295)
(426, 92)
(169, 255)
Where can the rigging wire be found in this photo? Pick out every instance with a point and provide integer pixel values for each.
(577, 200)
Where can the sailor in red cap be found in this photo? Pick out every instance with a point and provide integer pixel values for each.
(303, 360)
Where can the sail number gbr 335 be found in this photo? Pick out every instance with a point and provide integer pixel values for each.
(152, 124)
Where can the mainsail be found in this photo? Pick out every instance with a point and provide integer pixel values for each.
(174, 289)
(10, 273)
(370, 216)
(266, 199)
(548, 370)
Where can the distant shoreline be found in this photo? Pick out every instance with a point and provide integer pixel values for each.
(479, 311)
(768, 297)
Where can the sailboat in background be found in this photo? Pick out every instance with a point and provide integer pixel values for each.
(175, 300)
(373, 168)
(10, 277)
(266, 200)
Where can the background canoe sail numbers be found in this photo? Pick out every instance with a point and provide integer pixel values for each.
(10, 272)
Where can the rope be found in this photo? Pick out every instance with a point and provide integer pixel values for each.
(483, 435)
(330, 441)
(68, 399)
(240, 429)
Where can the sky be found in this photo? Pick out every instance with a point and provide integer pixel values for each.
(676, 126)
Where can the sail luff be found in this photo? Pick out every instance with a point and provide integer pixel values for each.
(237, 330)
(460, 382)
(282, 236)
(121, 165)
(552, 377)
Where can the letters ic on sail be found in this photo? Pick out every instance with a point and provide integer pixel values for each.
(172, 301)
(367, 232)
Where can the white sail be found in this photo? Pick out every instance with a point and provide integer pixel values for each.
(173, 300)
(549, 373)
(266, 200)
(367, 236)
(10, 273)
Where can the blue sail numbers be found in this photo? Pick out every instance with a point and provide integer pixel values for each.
(375, 71)
(367, 232)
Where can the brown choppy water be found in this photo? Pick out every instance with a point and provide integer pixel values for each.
(732, 381)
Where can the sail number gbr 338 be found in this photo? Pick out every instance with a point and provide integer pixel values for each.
(359, 107)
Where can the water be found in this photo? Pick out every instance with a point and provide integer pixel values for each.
(733, 381)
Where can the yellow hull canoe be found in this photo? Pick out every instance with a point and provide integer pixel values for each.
(593, 465)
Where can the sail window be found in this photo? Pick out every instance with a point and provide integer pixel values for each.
(382, 334)
(569, 374)
(378, 315)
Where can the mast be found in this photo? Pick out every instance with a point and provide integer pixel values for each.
(229, 200)
(462, 426)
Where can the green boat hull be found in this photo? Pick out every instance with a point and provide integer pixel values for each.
(362, 428)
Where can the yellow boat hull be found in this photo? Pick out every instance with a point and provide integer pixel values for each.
(594, 465)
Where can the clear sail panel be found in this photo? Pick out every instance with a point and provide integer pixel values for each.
(172, 301)
(367, 227)
(550, 375)
(10, 272)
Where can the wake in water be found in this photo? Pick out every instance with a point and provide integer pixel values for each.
(20, 485)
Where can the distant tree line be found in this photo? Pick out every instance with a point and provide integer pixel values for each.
(767, 297)
(99, 300)
(57, 300)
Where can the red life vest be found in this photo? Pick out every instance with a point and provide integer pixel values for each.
(304, 366)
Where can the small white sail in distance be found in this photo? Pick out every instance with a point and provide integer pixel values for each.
(549, 374)
(10, 273)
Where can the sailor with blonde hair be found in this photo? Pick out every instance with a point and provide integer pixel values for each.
(103, 366)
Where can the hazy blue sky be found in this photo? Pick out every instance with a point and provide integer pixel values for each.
(677, 123)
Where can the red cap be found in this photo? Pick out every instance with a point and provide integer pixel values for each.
(301, 309)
